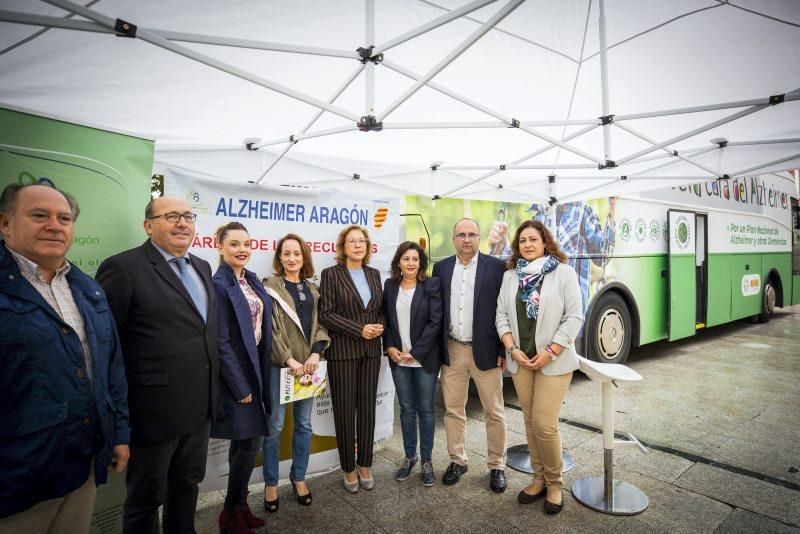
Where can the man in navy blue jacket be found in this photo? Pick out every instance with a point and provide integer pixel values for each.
(471, 349)
(63, 394)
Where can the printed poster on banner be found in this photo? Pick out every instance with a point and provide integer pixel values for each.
(317, 215)
(294, 388)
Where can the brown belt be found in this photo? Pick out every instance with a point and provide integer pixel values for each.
(455, 340)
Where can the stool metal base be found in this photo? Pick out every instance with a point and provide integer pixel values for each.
(519, 459)
(627, 500)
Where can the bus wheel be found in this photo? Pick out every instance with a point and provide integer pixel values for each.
(767, 302)
(609, 332)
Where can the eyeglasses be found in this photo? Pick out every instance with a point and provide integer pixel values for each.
(463, 236)
(354, 242)
(174, 217)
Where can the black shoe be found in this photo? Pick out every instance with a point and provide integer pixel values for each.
(527, 498)
(553, 508)
(305, 500)
(405, 470)
(498, 481)
(428, 478)
(453, 473)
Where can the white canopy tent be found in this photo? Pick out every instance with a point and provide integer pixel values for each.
(485, 99)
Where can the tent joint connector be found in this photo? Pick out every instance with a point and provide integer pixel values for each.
(514, 123)
(606, 119)
(251, 146)
(499, 186)
(356, 176)
(366, 55)
(503, 167)
(124, 28)
(551, 179)
(369, 124)
(436, 197)
(722, 144)
(623, 177)
(434, 167)
(609, 164)
(553, 200)
(774, 100)
(725, 177)
(293, 140)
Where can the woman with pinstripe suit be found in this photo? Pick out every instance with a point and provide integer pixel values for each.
(351, 309)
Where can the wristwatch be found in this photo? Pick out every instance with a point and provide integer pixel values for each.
(511, 349)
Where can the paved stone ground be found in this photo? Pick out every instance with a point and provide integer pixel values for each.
(720, 410)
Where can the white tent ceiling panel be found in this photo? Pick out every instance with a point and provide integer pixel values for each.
(540, 63)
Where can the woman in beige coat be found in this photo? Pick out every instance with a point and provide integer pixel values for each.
(539, 314)
(298, 340)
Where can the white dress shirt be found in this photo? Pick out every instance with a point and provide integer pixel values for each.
(462, 297)
(404, 298)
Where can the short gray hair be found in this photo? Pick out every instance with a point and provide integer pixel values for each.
(8, 199)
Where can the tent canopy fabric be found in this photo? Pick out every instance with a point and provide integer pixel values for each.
(476, 99)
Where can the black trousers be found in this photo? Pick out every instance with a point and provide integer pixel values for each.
(354, 385)
(167, 474)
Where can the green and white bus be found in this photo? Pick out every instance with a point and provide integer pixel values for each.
(657, 265)
(693, 257)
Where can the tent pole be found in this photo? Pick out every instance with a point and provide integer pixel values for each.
(369, 73)
(508, 120)
(788, 97)
(516, 167)
(480, 124)
(518, 161)
(206, 60)
(311, 122)
(668, 149)
(724, 120)
(765, 165)
(452, 56)
(432, 25)
(88, 26)
(604, 81)
(672, 162)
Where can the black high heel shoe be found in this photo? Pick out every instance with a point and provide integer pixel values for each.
(305, 500)
(271, 506)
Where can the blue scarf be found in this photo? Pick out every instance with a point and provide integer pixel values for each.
(530, 275)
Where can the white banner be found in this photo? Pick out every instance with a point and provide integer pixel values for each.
(317, 215)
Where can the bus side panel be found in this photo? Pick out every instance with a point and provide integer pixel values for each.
(719, 289)
(643, 277)
(796, 289)
(745, 288)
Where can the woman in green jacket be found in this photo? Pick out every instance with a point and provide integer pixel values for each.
(298, 341)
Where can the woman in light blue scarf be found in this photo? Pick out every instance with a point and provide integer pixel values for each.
(539, 315)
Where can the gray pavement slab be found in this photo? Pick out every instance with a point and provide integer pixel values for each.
(721, 408)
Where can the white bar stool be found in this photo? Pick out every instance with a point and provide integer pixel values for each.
(605, 494)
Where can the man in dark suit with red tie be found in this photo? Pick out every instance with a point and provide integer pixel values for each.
(165, 308)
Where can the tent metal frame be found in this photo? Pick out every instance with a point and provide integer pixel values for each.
(371, 56)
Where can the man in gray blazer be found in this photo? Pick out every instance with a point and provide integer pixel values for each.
(471, 349)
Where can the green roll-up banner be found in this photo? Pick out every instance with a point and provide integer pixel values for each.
(109, 174)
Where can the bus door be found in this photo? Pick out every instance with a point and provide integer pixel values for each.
(682, 274)
(701, 268)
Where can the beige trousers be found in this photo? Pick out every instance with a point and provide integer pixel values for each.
(455, 388)
(541, 398)
(70, 514)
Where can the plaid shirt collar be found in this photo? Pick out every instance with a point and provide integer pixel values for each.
(32, 269)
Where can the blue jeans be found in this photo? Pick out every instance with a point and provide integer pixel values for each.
(241, 459)
(301, 438)
(415, 390)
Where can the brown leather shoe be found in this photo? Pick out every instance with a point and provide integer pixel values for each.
(527, 498)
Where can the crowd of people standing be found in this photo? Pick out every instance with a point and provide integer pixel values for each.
(137, 369)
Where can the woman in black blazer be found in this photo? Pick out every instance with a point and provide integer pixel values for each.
(351, 308)
(413, 309)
